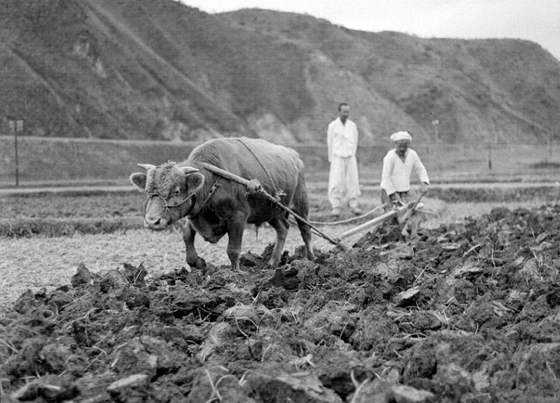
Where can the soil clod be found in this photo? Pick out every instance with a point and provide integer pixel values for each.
(467, 313)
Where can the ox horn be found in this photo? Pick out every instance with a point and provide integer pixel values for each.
(188, 170)
(147, 167)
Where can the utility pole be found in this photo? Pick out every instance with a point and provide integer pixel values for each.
(490, 155)
(15, 107)
(491, 139)
(16, 125)
(435, 124)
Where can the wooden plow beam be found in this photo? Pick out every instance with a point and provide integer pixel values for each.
(401, 213)
(247, 183)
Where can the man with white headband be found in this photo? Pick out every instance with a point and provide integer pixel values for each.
(398, 165)
(342, 141)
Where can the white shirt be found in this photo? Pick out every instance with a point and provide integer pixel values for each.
(396, 173)
(342, 139)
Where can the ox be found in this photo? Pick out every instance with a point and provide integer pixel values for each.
(215, 206)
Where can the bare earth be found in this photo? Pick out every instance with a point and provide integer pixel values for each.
(34, 263)
(470, 312)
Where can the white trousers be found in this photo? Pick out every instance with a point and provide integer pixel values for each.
(343, 181)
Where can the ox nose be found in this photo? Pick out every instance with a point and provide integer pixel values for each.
(157, 223)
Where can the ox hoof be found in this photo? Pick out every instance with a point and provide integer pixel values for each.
(273, 263)
(236, 268)
(199, 264)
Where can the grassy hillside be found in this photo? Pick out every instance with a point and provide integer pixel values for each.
(160, 70)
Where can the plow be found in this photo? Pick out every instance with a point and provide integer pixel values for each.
(402, 213)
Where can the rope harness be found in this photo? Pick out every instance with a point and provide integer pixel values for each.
(256, 186)
(190, 213)
(167, 205)
(213, 189)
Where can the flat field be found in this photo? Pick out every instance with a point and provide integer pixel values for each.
(60, 161)
(470, 312)
(47, 235)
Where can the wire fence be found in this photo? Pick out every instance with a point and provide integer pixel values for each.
(46, 161)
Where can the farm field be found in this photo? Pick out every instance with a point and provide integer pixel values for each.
(469, 313)
(64, 161)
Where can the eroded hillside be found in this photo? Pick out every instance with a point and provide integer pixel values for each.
(143, 69)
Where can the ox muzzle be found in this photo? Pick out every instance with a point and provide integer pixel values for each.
(159, 214)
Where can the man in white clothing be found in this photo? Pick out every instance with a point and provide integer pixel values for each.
(398, 165)
(342, 141)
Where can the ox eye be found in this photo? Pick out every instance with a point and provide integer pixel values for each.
(176, 192)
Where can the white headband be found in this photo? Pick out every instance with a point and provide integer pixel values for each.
(399, 136)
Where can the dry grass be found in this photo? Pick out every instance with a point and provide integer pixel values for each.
(37, 262)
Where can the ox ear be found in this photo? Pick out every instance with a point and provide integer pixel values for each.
(194, 182)
(138, 179)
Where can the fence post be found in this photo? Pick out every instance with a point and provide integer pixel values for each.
(490, 155)
(439, 163)
(15, 127)
(17, 159)
(435, 124)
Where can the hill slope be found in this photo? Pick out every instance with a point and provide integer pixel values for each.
(157, 69)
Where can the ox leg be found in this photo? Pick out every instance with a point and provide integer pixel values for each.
(305, 231)
(301, 208)
(193, 259)
(281, 225)
(236, 226)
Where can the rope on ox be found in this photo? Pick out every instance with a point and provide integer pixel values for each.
(254, 186)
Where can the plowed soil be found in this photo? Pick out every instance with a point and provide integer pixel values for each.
(468, 313)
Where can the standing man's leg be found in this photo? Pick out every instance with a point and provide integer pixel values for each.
(336, 184)
(353, 185)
